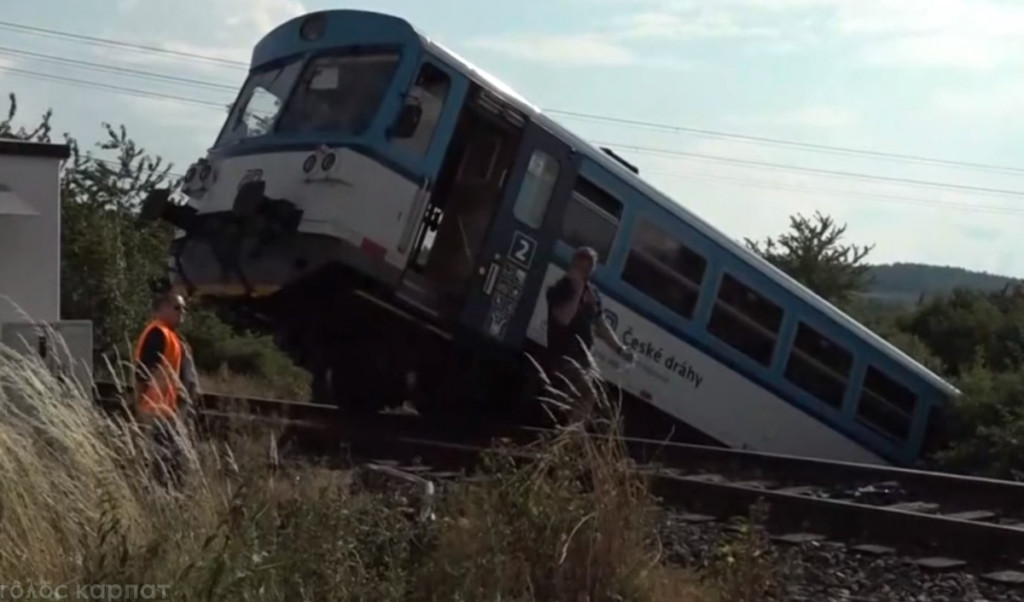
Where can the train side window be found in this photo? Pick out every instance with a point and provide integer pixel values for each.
(819, 366)
(886, 405)
(745, 320)
(591, 219)
(535, 190)
(663, 268)
(429, 91)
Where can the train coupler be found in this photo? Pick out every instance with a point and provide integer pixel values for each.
(158, 206)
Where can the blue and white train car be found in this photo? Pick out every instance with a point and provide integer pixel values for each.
(383, 207)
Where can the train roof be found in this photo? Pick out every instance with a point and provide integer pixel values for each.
(600, 157)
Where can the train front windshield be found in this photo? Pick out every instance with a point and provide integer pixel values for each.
(338, 94)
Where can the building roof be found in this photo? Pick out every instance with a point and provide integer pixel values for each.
(22, 148)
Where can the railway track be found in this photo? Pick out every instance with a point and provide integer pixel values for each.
(913, 529)
(939, 521)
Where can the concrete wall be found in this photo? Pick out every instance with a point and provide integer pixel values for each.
(30, 244)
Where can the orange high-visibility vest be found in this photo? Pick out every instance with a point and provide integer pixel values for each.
(160, 395)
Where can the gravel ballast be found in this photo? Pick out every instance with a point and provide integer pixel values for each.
(825, 571)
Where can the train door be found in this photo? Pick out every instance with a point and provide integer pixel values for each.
(510, 265)
(468, 194)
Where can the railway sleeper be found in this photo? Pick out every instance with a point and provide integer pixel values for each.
(810, 521)
(846, 521)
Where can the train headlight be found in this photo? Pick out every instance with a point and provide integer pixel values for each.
(328, 162)
(309, 163)
(198, 178)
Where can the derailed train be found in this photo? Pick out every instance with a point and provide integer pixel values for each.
(384, 209)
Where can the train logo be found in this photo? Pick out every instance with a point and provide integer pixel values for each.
(612, 319)
(253, 175)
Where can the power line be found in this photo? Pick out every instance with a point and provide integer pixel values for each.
(794, 143)
(119, 44)
(112, 88)
(643, 149)
(634, 148)
(815, 170)
(852, 193)
(113, 69)
(572, 114)
(117, 166)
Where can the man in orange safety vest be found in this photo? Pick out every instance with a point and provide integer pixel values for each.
(163, 368)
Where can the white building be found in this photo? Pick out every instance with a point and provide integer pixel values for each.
(30, 230)
(30, 251)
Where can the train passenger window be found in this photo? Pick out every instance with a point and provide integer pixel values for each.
(339, 94)
(663, 268)
(591, 219)
(429, 91)
(535, 190)
(745, 320)
(886, 405)
(819, 366)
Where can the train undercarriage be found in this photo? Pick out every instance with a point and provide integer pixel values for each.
(367, 353)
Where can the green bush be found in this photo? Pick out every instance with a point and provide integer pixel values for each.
(989, 435)
(218, 350)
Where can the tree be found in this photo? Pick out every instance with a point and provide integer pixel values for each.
(107, 260)
(812, 253)
(970, 326)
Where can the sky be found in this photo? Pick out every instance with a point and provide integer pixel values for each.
(696, 87)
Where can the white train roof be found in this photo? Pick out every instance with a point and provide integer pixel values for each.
(598, 156)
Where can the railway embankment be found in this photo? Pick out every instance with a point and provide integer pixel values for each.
(565, 516)
(81, 507)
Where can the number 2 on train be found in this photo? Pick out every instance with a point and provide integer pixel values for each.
(522, 249)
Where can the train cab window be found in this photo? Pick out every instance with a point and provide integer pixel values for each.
(664, 269)
(535, 191)
(429, 92)
(886, 405)
(339, 94)
(745, 320)
(591, 219)
(819, 366)
(260, 102)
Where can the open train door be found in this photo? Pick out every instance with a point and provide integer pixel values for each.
(512, 258)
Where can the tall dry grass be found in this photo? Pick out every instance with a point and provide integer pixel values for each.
(79, 505)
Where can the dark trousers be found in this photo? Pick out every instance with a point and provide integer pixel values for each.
(168, 460)
(574, 375)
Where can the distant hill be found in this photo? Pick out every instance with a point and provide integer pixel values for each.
(905, 282)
